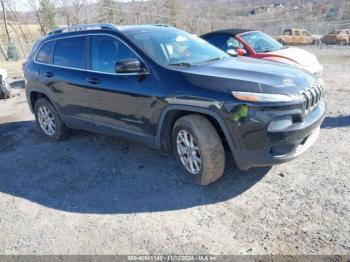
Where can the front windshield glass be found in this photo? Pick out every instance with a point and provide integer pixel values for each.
(261, 42)
(176, 48)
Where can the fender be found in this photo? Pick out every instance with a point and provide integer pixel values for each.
(38, 90)
(193, 109)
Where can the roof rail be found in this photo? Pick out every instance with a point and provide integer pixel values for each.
(160, 24)
(82, 28)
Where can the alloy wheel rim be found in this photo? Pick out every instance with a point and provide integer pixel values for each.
(189, 152)
(46, 120)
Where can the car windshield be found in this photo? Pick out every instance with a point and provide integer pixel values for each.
(176, 48)
(260, 42)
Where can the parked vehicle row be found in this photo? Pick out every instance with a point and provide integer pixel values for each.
(304, 37)
(174, 91)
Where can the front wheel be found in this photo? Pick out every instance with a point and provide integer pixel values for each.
(49, 121)
(198, 148)
(343, 42)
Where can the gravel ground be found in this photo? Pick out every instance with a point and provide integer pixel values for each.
(93, 194)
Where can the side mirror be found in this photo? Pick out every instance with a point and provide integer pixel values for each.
(129, 65)
(232, 52)
(241, 51)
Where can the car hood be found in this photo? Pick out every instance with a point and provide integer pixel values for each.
(247, 74)
(298, 55)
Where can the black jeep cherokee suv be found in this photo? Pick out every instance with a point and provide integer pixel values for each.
(170, 89)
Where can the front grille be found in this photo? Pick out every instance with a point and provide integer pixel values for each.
(312, 96)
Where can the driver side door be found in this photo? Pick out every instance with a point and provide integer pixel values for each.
(120, 102)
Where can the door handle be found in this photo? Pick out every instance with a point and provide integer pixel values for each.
(48, 74)
(93, 81)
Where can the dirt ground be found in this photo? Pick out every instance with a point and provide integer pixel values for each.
(93, 194)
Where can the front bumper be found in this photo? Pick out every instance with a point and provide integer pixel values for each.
(256, 146)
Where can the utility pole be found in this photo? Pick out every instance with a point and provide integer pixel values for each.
(300, 9)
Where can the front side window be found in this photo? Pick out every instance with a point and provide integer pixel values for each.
(306, 33)
(69, 52)
(44, 53)
(175, 47)
(261, 42)
(287, 32)
(233, 43)
(225, 42)
(106, 51)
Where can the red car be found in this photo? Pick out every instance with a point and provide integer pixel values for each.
(257, 44)
(341, 37)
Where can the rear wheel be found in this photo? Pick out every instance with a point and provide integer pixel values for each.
(198, 148)
(49, 121)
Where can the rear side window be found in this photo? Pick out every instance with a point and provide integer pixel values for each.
(106, 51)
(44, 53)
(69, 52)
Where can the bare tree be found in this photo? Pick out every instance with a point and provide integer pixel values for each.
(71, 10)
(35, 7)
(109, 12)
(4, 16)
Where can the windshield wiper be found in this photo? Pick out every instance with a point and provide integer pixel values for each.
(180, 64)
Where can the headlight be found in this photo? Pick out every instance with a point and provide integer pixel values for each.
(261, 97)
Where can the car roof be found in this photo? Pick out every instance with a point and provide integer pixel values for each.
(232, 31)
(123, 29)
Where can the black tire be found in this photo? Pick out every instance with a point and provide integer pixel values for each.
(61, 131)
(211, 150)
(5, 91)
(281, 41)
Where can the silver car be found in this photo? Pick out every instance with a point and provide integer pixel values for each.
(5, 89)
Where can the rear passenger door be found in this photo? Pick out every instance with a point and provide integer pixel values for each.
(68, 78)
(120, 102)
